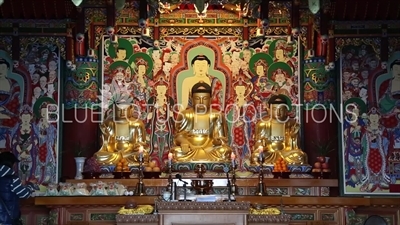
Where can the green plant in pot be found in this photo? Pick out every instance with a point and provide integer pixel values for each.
(323, 148)
(80, 149)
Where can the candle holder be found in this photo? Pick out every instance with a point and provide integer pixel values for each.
(170, 180)
(260, 189)
(140, 185)
(234, 189)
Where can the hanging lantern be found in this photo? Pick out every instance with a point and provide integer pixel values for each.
(146, 32)
(311, 53)
(265, 23)
(90, 53)
(77, 3)
(114, 39)
(110, 31)
(142, 23)
(259, 32)
(290, 39)
(80, 44)
(119, 4)
(314, 6)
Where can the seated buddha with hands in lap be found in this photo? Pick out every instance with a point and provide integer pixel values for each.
(201, 130)
(276, 135)
(123, 137)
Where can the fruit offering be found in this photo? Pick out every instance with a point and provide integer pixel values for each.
(321, 165)
(280, 166)
(122, 166)
(152, 167)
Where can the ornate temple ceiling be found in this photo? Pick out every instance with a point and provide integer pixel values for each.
(37, 9)
(64, 9)
(366, 10)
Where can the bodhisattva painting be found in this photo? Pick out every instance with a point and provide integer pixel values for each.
(371, 128)
(149, 85)
(29, 95)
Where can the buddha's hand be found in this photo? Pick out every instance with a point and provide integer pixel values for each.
(219, 141)
(185, 148)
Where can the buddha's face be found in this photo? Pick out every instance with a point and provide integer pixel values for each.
(227, 59)
(52, 65)
(35, 78)
(141, 70)
(161, 90)
(279, 54)
(37, 92)
(26, 118)
(201, 102)
(43, 81)
(3, 70)
(119, 77)
(374, 119)
(355, 66)
(52, 75)
(43, 113)
(174, 58)
(246, 55)
(373, 64)
(200, 67)
(121, 54)
(260, 70)
(240, 91)
(279, 112)
(396, 71)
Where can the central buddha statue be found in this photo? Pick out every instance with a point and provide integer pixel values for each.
(201, 130)
(124, 135)
(276, 136)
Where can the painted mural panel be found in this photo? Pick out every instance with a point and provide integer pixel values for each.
(243, 75)
(29, 125)
(370, 101)
(6, 44)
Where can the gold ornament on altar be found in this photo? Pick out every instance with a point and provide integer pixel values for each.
(123, 134)
(276, 135)
(201, 130)
(138, 210)
(267, 211)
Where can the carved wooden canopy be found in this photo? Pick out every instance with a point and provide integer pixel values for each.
(64, 9)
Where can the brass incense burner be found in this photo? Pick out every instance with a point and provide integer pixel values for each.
(201, 185)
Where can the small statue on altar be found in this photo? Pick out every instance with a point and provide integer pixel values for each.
(124, 136)
(201, 130)
(276, 135)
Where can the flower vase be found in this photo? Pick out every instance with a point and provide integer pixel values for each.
(79, 163)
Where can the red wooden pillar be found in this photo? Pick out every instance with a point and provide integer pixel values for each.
(15, 43)
(69, 45)
(295, 18)
(319, 114)
(331, 47)
(80, 122)
(384, 44)
(156, 28)
(246, 29)
(111, 13)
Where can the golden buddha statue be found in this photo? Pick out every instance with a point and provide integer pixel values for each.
(124, 136)
(276, 136)
(201, 130)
